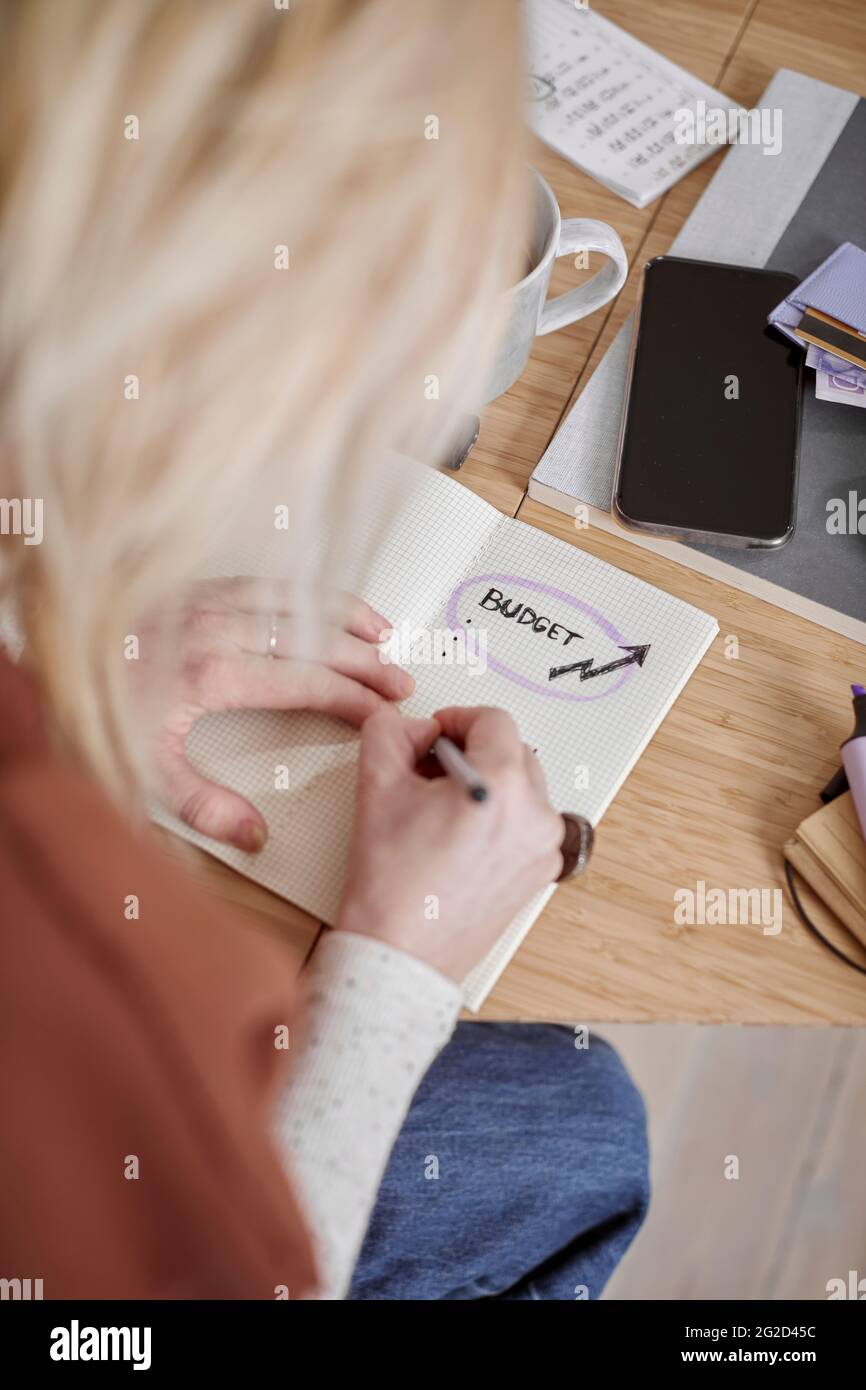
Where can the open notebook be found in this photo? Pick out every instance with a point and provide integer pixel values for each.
(586, 658)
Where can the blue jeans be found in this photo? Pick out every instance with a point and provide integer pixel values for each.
(520, 1172)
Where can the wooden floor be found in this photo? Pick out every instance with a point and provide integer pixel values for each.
(788, 1104)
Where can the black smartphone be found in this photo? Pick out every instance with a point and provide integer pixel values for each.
(710, 436)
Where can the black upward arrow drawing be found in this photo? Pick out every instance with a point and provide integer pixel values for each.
(587, 671)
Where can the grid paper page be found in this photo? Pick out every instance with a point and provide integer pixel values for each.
(607, 101)
(404, 569)
(587, 659)
(434, 571)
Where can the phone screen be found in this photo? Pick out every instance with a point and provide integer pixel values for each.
(711, 435)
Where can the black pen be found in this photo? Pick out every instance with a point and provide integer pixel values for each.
(452, 761)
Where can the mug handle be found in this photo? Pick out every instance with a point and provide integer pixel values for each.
(585, 234)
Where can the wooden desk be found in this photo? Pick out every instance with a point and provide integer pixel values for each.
(738, 762)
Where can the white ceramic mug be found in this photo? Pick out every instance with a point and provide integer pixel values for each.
(531, 311)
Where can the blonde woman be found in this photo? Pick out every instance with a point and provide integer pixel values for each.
(163, 163)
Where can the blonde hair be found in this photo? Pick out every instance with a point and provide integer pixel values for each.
(160, 161)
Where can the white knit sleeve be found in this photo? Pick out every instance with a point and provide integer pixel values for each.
(375, 1020)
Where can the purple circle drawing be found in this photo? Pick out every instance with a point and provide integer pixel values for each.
(534, 586)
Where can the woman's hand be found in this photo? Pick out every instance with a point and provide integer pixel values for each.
(227, 662)
(431, 871)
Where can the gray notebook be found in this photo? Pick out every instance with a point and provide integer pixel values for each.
(787, 212)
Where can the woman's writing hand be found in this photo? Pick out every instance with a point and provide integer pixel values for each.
(228, 661)
(431, 871)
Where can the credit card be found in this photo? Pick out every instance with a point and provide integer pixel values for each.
(832, 334)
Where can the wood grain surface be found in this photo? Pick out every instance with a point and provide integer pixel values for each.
(741, 757)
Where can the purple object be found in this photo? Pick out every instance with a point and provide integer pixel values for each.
(854, 756)
(534, 586)
(837, 288)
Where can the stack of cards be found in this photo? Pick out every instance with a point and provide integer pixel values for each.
(826, 314)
